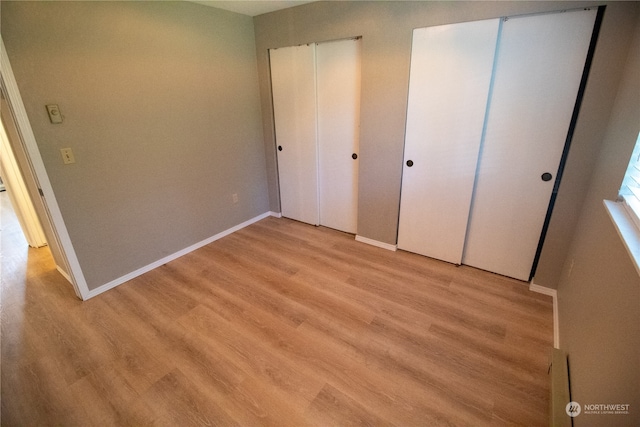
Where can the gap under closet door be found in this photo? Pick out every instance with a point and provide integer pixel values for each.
(338, 93)
(450, 77)
(293, 84)
(538, 71)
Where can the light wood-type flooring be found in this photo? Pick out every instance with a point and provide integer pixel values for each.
(279, 324)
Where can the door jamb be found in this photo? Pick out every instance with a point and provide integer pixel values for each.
(18, 192)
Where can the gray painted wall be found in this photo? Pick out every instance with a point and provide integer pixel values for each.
(386, 28)
(162, 111)
(599, 298)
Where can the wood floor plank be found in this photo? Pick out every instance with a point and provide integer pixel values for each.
(327, 360)
(110, 399)
(258, 258)
(36, 394)
(21, 342)
(177, 400)
(70, 342)
(282, 324)
(139, 366)
(331, 407)
(424, 379)
(253, 357)
(253, 403)
(226, 276)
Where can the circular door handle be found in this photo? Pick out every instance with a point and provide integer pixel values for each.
(546, 176)
(354, 156)
(279, 147)
(409, 163)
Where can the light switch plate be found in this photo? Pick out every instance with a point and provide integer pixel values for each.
(54, 113)
(67, 156)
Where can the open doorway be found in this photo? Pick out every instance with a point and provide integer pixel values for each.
(23, 240)
(23, 244)
(16, 193)
(16, 251)
(39, 187)
(24, 211)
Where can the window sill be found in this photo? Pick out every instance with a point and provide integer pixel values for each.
(626, 228)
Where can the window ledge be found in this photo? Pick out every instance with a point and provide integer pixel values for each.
(626, 228)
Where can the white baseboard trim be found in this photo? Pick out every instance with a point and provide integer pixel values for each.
(553, 294)
(275, 214)
(376, 243)
(156, 264)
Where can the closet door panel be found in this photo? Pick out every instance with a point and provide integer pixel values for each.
(338, 88)
(294, 104)
(537, 76)
(450, 77)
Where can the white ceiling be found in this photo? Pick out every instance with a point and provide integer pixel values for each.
(252, 8)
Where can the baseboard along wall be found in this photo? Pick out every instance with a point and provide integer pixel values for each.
(376, 243)
(553, 294)
(169, 258)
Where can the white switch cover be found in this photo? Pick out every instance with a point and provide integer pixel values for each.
(67, 156)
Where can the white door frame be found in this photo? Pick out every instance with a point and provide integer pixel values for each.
(39, 174)
(18, 194)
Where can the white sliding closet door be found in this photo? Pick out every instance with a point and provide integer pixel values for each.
(338, 83)
(316, 104)
(450, 78)
(538, 71)
(293, 84)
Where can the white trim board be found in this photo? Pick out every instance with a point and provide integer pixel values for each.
(626, 228)
(129, 276)
(275, 214)
(376, 243)
(553, 294)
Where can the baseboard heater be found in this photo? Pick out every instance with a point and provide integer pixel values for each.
(560, 395)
